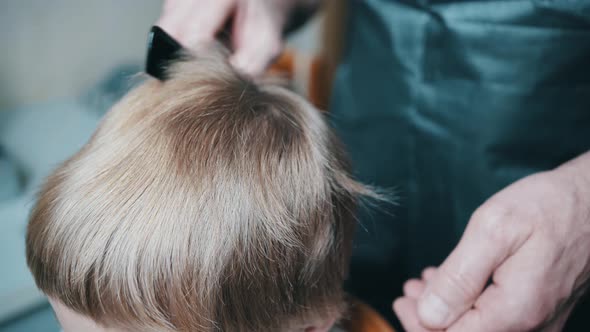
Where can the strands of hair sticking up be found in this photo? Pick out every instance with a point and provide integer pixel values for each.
(205, 203)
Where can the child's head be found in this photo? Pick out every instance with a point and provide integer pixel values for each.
(205, 203)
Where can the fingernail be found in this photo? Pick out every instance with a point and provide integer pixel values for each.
(433, 310)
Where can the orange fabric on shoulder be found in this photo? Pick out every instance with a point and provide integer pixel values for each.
(363, 318)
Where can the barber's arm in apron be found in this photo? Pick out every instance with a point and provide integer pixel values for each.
(449, 102)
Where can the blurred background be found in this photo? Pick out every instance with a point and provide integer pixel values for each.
(63, 64)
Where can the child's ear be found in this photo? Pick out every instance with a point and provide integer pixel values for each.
(321, 326)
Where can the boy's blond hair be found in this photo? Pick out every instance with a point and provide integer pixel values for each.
(205, 203)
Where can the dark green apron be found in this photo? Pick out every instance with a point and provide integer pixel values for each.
(448, 102)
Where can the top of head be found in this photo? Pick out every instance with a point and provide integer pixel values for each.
(206, 202)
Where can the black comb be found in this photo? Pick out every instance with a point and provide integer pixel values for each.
(162, 51)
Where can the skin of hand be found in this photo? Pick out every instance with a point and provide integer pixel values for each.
(257, 26)
(521, 265)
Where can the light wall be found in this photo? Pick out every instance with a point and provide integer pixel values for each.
(53, 49)
(58, 48)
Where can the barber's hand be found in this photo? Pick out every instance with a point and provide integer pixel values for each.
(523, 262)
(257, 27)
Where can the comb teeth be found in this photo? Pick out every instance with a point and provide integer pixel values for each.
(162, 51)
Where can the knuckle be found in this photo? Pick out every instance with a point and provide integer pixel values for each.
(492, 213)
(428, 272)
(459, 284)
(493, 222)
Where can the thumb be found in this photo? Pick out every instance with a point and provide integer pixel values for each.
(486, 243)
